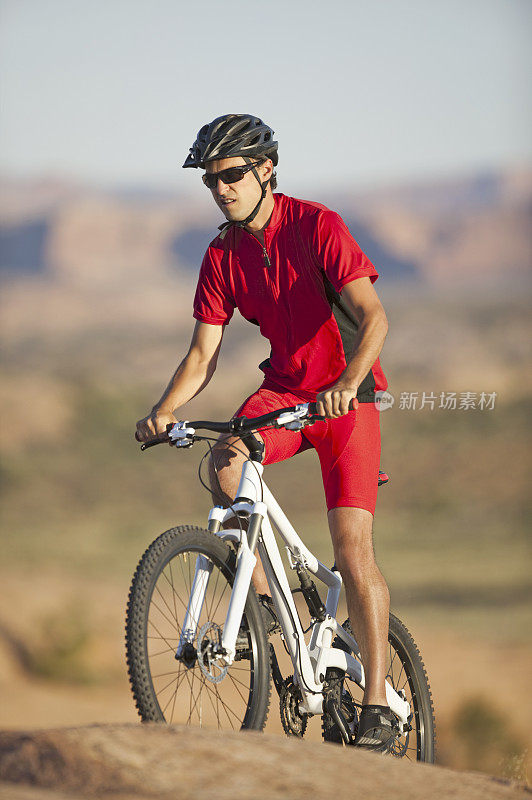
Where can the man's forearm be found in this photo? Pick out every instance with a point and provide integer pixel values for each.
(368, 345)
(191, 376)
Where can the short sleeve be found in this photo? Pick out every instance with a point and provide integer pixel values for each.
(338, 253)
(213, 301)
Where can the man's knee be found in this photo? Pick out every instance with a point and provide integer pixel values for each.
(355, 561)
(226, 460)
(225, 464)
(225, 453)
(352, 535)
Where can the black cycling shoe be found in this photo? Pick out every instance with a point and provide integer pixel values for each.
(377, 729)
(269, 617)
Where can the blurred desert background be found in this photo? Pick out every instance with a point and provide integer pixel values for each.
(97, 286)
(411, 119)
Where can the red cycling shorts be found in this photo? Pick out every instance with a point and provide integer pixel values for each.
(348, 447)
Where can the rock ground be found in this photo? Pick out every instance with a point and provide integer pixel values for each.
(154, 761)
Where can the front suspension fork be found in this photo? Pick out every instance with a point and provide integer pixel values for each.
(245, 564)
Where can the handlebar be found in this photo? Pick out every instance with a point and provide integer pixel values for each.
(295, 417)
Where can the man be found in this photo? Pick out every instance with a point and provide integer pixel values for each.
(293, 268)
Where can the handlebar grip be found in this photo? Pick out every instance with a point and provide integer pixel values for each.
(312, 407)
(162, 438)
(145, 445)
(152, 442)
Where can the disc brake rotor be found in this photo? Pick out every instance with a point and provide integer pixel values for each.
(211, 664)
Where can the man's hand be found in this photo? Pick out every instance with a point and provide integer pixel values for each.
(337, 401)
(154, 425)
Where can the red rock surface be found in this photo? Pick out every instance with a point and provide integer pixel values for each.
(145, 761)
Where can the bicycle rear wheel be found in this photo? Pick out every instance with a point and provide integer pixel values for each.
(406, 673)
(194, 690)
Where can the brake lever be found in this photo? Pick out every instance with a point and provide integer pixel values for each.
(180, 435)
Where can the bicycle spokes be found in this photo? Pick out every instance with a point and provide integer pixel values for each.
(197, 687)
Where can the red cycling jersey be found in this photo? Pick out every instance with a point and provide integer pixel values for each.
(291, 289)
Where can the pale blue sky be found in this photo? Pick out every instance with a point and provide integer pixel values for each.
(359, 93)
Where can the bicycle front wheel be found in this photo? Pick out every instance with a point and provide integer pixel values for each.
(406, 673)
(194, 689)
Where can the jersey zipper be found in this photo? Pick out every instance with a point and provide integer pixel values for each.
(265, 256)
(268, 265)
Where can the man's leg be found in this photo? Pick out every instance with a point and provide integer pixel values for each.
(368, 598)
(229, 461)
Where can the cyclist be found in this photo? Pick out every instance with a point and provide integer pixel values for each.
(292, 267)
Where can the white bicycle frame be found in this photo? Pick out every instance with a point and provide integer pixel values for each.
(310, 661)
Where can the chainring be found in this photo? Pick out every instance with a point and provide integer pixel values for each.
(294, 723)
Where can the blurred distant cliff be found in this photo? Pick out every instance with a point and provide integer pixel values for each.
(465, 230)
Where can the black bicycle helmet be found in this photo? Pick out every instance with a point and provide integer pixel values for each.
(235, 135)
(232, 135)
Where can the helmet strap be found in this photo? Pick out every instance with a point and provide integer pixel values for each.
(264, 188)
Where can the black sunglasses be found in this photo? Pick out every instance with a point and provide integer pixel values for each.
(230, 175)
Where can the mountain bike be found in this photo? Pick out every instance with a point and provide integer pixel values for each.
(197, 649)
